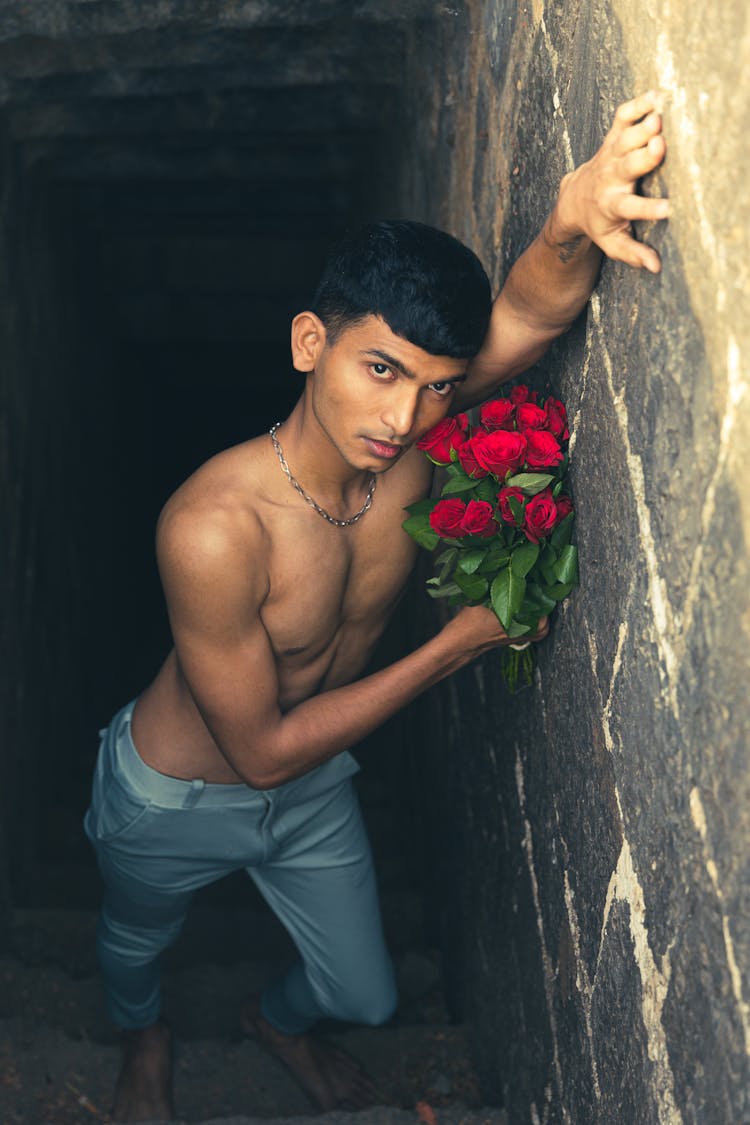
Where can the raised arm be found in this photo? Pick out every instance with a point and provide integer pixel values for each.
(553, 279)
(215, 588)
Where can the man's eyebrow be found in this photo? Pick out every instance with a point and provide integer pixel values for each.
(393, 362)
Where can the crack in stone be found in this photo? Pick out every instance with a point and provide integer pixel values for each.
(625, 887)
(663, 616)
(528, 847)
(582, 978)
(698, 814)
(736, 392)
(582, 390)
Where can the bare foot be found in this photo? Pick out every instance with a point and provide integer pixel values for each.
(332, 1078)
(144, 1086)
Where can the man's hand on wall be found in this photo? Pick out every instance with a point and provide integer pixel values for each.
(599, 199)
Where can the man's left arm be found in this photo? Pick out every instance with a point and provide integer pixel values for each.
(553, 279)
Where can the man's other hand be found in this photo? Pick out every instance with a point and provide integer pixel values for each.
(476, 629)
(599, 198)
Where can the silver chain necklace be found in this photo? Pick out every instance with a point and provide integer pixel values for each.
(306, 495)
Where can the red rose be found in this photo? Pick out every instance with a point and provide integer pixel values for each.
(503, 496)
(543, 449)
(478, 519)
(557, 418)
(445, 518)
(540, 516)
(438, 442)
(499, 451)
(497, 415)
(530, 417)
(564, 507)
(519, 394)
(468, 461)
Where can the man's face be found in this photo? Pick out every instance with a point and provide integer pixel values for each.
(374, 394)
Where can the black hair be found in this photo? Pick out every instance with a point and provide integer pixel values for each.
(426, 285)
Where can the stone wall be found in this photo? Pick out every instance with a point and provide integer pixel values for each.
(595, 829)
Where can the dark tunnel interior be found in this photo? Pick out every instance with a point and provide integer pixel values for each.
(172, 192)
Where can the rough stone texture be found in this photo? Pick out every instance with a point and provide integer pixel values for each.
(599, 821)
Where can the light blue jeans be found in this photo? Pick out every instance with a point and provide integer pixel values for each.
(158, 839)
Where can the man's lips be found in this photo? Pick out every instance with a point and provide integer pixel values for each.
(383, 448)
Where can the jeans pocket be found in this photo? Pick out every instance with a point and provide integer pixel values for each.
(119, 811)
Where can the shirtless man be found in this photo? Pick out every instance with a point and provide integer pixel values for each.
(279, 577)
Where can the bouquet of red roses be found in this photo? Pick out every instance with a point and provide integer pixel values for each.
(504, 519)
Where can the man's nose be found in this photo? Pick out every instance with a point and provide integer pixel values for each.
(400, 412)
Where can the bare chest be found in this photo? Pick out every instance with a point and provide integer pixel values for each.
(332, 591)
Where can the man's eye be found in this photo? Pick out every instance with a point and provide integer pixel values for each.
(380, 369)
(442, 388)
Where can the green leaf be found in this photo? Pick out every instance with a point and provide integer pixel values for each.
(517, 629)
(421, 532)
(474, 587)
(566, 567)
(523, 558)
(547, 560)
(561, 535)
(470, 561)
(531, 483)
(421, 507)
(448, 562)
(445, 555)
(506, 594)
(529, 615)
(445, 591)
(458, 484)
(517, 508)
(487, 490)
(559, 591)
(536, 597)
(557, 490)
(548, 574)
(416, 523)
(495, 560)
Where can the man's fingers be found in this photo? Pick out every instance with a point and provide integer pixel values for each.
(623, 247)
(638, 136)
(541, 631)
(641, 207)
(630, 112)
(643, 160)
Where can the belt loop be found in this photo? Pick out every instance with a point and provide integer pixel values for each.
(192, 798)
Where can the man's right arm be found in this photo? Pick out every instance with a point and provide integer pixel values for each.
(215, 590)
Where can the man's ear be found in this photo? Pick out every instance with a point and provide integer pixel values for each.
(308, 340)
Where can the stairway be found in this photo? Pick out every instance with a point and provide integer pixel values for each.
(59, 1056)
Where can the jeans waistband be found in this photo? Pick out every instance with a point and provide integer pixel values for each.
(175, 792)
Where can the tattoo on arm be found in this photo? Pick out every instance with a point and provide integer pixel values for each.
(567, 250)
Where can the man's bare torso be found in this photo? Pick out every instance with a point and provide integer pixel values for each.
(330, 593)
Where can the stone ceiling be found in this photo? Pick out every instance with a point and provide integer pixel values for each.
(142, 88)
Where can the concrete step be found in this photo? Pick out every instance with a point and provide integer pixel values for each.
(49, 1078)
(59, 1054)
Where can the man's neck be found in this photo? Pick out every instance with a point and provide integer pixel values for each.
(317, 465)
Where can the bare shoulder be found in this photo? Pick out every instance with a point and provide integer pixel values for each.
(209, 535)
